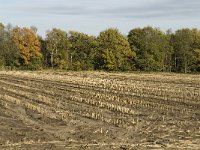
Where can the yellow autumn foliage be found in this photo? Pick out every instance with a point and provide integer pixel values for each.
(27, 43)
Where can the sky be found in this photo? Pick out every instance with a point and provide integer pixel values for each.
(94, 16)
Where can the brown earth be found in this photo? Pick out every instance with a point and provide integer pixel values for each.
(39, 113)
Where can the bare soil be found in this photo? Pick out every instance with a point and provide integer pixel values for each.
(48, 111)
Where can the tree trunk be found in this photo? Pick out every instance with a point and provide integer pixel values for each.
(52, 60)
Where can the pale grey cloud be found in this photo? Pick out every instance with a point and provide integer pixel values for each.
(92, 16)
(161, 9)
(147, 9)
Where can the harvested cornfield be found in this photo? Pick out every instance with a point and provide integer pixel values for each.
(97, 110)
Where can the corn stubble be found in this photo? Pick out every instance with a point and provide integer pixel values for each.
(147, 110)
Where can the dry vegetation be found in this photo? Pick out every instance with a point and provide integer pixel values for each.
(96, 110)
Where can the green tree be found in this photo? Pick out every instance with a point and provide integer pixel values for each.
(196, 63)
(169, 51)
(196, 47)
(57, 46)
(114, 51)
(9, 55)
(46, 60)
(151, 46)
(2, 60)
(82, 51)
(183, 42)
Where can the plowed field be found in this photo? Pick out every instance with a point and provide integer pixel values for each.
(97, 110)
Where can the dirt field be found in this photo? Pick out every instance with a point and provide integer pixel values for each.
(96, 110)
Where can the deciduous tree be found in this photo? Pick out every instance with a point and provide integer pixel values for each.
(151, 46)
(26, 41)
(57, 45)
(114, 50)
(82, 51)
(183, 50)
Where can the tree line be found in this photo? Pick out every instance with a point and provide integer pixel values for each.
(143, 49)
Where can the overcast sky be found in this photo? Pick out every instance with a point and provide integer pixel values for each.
(93, 16)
